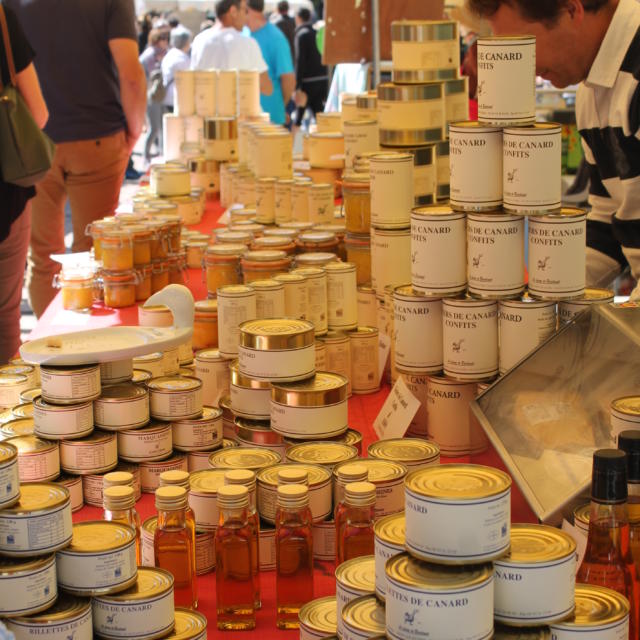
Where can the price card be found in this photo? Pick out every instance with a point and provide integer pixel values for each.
(384, 348)
(397, 412)
(580, 540)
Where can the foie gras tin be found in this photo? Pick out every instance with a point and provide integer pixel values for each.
(388, 542)
(62, 422)
(96, 453)
(363, 618)
(414, 453)
(38, 460)
(354, 578)
(70, 385)
(175, 397)
(189, 625)
(27, 585)
(9, 479)
(318, 618)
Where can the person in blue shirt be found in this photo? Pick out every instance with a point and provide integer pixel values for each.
(277, 54)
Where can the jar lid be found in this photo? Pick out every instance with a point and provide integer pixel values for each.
(293, 496)
(265, 255)
(226, 249)
(119, 277)
(316, 237)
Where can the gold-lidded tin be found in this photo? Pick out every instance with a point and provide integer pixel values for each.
(9, 477)
(277, 349)
(311, 409)
(388, 542)
(199, 434)
(121, 406)
(69, 617)
(569, 309)
(12, 386)
(599, 612)
(60, 422)
(189, 625)
(252, 458)
(250, 397)
(458, 513)
(363, 617)
(27, 585)
(355, 578)
(96, 453)
(534, 583)
(17, 427)
(318, 619)
(414, 453)
(258, 433)
(175, 397)
(203, 496)
(73, 484)
(23, 410)
(144, 611)
(101, 559)
(325, 453)
(44, 507)
(421, 595)
(150, 471)
(624, 413)
(149, 444)
(71, 384)
(38, 460)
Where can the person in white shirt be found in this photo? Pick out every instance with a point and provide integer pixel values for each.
(176, 59)
(226, 47)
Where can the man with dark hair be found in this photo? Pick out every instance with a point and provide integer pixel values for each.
(597, 43)
(285, 23)
(311, 75)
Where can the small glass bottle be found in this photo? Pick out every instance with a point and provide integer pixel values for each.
(120, 506)
(247, 478)
(293, 475)
(173, 546)
(347, 473)
(354, 523)
(235, 590)
(122, 479)
(629, 442)
(607, 560)
(294, 554)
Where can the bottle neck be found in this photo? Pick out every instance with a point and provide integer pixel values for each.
(177, 518)
(608, 515)
(359, 511)
(233, 516)
(298, 514)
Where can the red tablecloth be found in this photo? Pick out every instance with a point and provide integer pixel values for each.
(362, 412)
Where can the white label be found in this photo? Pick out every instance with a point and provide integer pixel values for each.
(267, 553)
(537, 593)
(184, 94)
(317, 303)
(342, 301)
(254, 404)
(205, 553)
(309, 422)
(215, 379)
(277, 365)
(438, 255)
(397, 412)
(232, 312)
(390, 259)
(177, 404)
(84, 385)
(472, 531)
(270, 304)
(9, 482)
(417, 384)
(87, 572)
(365, 375)
(389, 497)
(616, 631)
(221, 150)
(359, 138)
(143, 444)
(343, 597)
(383, 551)
(248, 93)
(67, 421)
(134, 620)
(205, 510)
(394, 115)
(265, 202)
(466, 614)
(324, 541)
(121, 414)
(418, 334)
(367, 316)
(147, 557)
(150, 472)
(282, 204)
(475, 168)
(205, 93)
(434, 55)
(197, 435)
(37, 534)
(118, 370)
(39, 467)
(392, 196)
(88, 457)
(23, 594)
(295, 300)
(80, 628)
(227, 95)
(557, 257)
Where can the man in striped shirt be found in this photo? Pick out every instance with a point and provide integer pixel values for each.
(596, 43)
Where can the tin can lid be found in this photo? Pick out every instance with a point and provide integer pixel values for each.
(593, 296)
(358, 574)
(404, 450)
(97, 437)
(310, 272)
(121, 392)
(209, 414)
(379, 471)
(581, 515)
(323, 389)
(99, 536)
(365, 614)
(27, 445)
(289, 277)
(189, 625)
(249, 426)
(24, 410)
(321, 452)
(563, 214)
(595, 606)
(390, 529)
(150, 524)
(316, 474)
(7, 452)
(141, 376)
(474, 125)
(69, 369)
(175, 384)
(253, 458)
(239, 379)
(9, 567)
(537, 543)
(12, 379)
(363, 333)
(149, 357)
(276, 334)
(151, 582)
(423, 30)
(628, 406)
(210, 355)
(29, 395)
(339, 267)
(503, 632)
(227, 444)
(39, 496)
(507, 39)
(320, 615)
(18, 427)
(206, 481)
(20, 369)
(65, 609)
(350, 436)
(533, 129)
(235, 291)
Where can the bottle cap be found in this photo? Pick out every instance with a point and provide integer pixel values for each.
(171, 498)
(293, 475)
(244, 477)
(360, 494)
(118, 498)
(176, 478)
(233, 496)
(352, 472)
(629, 442)
(609, 479)
(293, 496)
(117, 478)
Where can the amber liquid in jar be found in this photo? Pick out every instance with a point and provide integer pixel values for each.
(77, 294)
(119, 291)
(220, 273)
(354, 522)
(131, 518)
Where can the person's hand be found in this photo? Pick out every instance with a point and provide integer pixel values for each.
(131, 140)
(300, 98)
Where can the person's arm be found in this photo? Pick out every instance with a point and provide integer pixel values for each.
(266, 88)
(288, 85)
(29, 87)
(284, 66)
(133, 94)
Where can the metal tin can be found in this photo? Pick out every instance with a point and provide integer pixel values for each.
(121, 406)
(442, 171)
(252, 458)
(503, 632)
(388, 542)
(417, 384)
(495, 255)
(171, 362)
(321, 356)
(144, 611)
(452, 602)
(150, 471)
(198, 434)
(24, 410)
(391, 262)
(203, 497)
(93, 484)
(355, 578)
(27, 586)
(338, 355)
(101, 559)
(70, 385)
(438, 251)
(456, 100)
(149, 444)
(213, 370)
(342, 287)
(367, 315)
(17, 427)
(316, 297)
(324, 541)
(11, 386)
(277, 349)
(320, 496)
(311, 409)
(321, 203)
(326, 150)
(267, 548)
(413, 453)
(458, 513)
(152, 362)
(557, 254)
(273, 154)
(470, 338)
(73, 484)
(624, 413)
(599, 612)
(269, 295)
(205, 552)
(318, 619)
(39, 523)
(391, 190)
(68, 617)
(532, 172)
(9, 479)
(363, 344)
(295, 294)
(258, 433)
(175, 397)
(96, 453)
(535, 583)
(57, 422)
(236, 304)
(189, 625)
(29, 395)
(360, 136)
(569, 309)
(363, 618)
(475, 156)
(523, 325)
(265, 200)
(250, 397)
(327, 454)
(282, 201)
(21, 369)
(38, 460)
(117, 371)
(507, 80)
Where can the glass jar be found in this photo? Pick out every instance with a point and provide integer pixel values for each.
(143, 286)
(359, 252)
(119, 288)
(255, 229)
(222, 265)
(205, 324)
(77, 288)
(177, 266)
(317, 241)
(356, 194)
(195, 253)
(159, 275)
(242, 215)
(117, 250)
(224, 236)
(277, 243)
(261, 265)
(96, 230)
(158, 242)
(172, 226)
(340, 232)
(141, 237)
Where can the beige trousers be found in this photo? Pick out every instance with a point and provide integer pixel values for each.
(90, 174)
